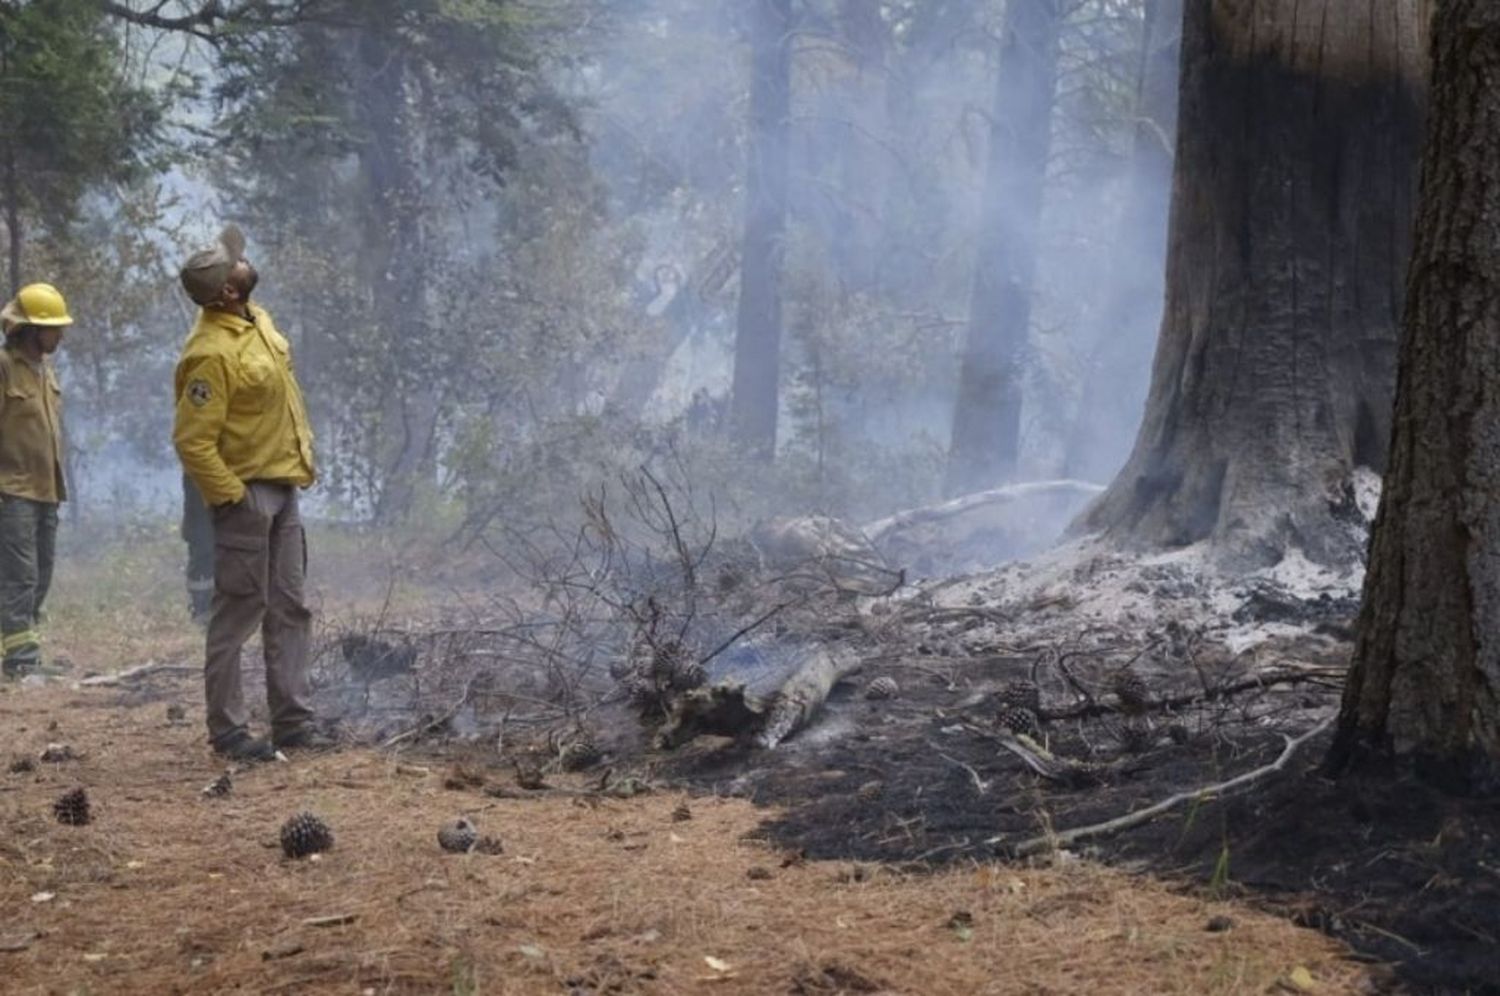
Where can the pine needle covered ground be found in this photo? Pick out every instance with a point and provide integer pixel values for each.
(169, 891)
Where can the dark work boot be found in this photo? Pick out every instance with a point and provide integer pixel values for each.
(242, 746)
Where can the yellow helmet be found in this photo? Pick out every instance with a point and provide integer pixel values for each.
(42, 304)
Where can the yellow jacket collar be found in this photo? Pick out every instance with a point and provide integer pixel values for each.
(231, 322)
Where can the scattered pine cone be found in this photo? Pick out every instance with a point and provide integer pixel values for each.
(883, 687)
(667, 660)
(1023, 694)
(488, 845)
(1018, 720)
(219, 787)
(1132, 691)
(58, 754)
(72, 808)
(305, 834)
(458, 837)
(176, 714)
(682, 813)
(22, 765)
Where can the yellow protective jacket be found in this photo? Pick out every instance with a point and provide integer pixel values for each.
(240, 414)
(31, 446)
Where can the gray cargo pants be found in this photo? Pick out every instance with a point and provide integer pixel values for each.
(260, 558)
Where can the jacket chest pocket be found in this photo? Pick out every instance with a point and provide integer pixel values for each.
(257, 388)
(23, 402)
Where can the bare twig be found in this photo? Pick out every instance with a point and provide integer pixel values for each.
(1066, 837)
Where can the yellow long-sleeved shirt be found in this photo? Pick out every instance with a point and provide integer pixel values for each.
(240, 413)
(31, 447)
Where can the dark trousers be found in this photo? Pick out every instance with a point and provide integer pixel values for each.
(28, 545)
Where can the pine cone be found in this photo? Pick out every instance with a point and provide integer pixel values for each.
(529, 776)
(682, 813)
(458, 837)
(1022, 694)
(72, 808)
(884, 687)
(305, 834)
(488, 845)
(219, 787)
(1018, 720)
(1132, 691)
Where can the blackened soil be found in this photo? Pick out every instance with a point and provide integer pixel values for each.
(1404, 874)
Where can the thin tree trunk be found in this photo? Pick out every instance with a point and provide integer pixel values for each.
(1124, 331)
(13, 220)
(1425, 683)
(757, 347)
(1294, 181)
(987, 414)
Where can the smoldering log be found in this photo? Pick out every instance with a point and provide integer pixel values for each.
(730, 708)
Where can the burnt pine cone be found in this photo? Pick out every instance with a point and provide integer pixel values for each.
(219, 787)
(305, 834)
(72, 808)
(457, 837)
(883, 687)
(1017, 719)
(1024, 694)
(1132, 691)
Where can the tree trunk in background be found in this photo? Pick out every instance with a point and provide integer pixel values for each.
(865, 161)
(396, 270)
(13, 221)
(1124, 332)
(1274, 372)
(987, 413)
(757, 342)
(1425, 683)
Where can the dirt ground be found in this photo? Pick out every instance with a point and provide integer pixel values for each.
(168, 891)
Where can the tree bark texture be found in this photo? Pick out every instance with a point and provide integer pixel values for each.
(757, 346)
(1295, 175)
(1425, 683)
(1123, 335)
(987, 414)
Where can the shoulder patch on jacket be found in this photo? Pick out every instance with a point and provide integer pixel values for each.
(199, 393)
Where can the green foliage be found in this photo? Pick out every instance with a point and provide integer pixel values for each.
(73, 121)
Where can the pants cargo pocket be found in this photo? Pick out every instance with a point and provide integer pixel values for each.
(239, 564)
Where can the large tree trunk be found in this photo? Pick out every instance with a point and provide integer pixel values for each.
(1295, 176)
(1425, 685)
(396, 266)
(1124, 331)
(757, 345)
(987, 413)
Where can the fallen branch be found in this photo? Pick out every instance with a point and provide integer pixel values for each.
(1210, 694)
(1067, 837)
(139, 671)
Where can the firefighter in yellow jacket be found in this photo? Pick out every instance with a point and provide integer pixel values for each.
(31, 468)
(242, 435)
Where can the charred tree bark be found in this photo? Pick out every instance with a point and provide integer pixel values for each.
(755, 391)
(1425, 683)
(987, 413)
(1274, 371)
(1124, 333)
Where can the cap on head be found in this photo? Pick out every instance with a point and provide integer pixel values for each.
(207, 270)
(35, 304)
